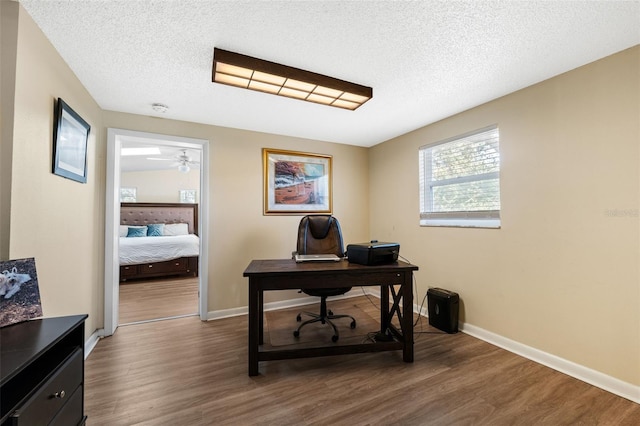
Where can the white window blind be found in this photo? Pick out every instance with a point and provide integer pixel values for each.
(460, 180)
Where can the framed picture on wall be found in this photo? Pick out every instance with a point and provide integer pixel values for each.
(296, 182)
(188, 196)
(128, 195)
(70, 137)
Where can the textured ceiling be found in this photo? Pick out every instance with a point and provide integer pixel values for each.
(426, 60)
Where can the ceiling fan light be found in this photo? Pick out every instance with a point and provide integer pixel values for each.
(184, 168)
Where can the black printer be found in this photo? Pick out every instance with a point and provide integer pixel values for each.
(373, 253)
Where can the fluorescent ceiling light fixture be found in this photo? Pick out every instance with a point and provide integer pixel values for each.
(235, 69)
(154, 150)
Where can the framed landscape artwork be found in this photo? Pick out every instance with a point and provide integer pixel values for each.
(296, 182)
(70, 137)
(19, 291)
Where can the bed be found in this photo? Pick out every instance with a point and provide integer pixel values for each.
(158, 240)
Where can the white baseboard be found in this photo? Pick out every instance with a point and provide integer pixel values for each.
(272, 306)
(92, 341)
(580, 372)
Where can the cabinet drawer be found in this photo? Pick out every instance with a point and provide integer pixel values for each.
(53, 394)
(128, 270)
(177, 265)
(71, 412)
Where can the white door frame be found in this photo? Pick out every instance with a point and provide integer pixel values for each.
(112, 218)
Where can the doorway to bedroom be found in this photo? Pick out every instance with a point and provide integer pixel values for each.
(157, 186)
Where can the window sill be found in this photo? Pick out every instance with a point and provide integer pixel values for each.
(462, 223)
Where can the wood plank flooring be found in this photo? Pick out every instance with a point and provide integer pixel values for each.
(188, 372)
(143, 300)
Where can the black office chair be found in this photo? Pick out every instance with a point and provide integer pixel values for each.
(321, 234)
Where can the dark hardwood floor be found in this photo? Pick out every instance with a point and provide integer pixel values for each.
(188, 372)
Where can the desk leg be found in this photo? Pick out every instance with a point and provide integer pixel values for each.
(407, 317)
(261, 317)
(385, 319)
(254, 326)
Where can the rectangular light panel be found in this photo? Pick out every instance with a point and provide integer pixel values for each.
(235, 69)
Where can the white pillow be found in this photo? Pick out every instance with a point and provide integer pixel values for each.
(123, 230)
(172, 229)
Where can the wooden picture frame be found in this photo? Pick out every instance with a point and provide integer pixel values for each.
(70, 138)
(296, 182)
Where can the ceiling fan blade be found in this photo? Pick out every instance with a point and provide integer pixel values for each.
(160, 159)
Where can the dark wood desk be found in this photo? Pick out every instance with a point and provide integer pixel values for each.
(287, 274)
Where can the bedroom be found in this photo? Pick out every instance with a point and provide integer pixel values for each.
(159, 188)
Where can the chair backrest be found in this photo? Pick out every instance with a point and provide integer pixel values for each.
(320, 234)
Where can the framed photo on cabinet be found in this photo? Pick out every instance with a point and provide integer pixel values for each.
(19, 291)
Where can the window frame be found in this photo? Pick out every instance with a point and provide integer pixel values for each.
(466, 219)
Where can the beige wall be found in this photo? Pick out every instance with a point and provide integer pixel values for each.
(239, 230)
(161, 186)
(58, 221)
(562, 274)
(8, 50)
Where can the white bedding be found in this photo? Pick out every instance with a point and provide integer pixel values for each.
(157, 249)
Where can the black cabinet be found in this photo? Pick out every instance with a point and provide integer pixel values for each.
(42, 372)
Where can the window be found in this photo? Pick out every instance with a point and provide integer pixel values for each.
(128, 195)
(460, 181)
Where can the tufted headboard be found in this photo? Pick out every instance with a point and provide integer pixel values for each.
(146, 213)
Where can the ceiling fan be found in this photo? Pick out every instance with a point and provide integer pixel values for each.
(182, 161)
